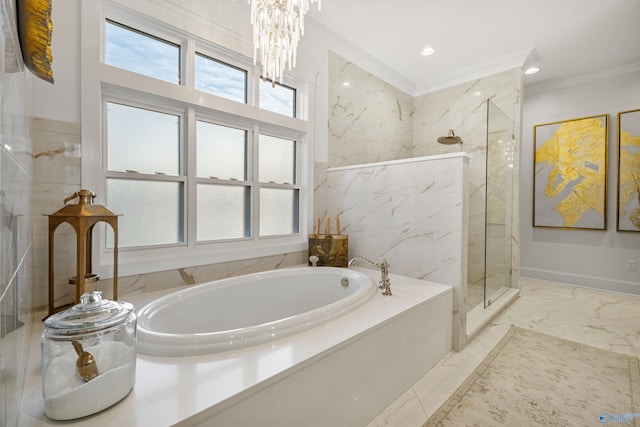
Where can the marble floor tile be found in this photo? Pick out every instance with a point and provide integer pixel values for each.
(405, 411)
(600, 319)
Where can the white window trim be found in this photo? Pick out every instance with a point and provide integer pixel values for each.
(97, 78)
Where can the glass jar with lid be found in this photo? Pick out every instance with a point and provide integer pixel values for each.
(88, 357)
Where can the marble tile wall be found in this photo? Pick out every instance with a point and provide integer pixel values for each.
(56, 164)
(15, 226)
(462, 108)
(412, 213)
(369, 120)
(159, 280)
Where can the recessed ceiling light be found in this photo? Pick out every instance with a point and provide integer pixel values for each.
(531, 70)
(428, 51)
(346, 84)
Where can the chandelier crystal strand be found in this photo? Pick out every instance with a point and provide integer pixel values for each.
(277, 28)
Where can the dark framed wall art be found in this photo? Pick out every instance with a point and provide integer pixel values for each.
(628, 171)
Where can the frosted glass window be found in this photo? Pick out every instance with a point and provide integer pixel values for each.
(142, 53)
(142, 140)
(278, 211)
(152, 212)
(221, 151)
(186, 173)
(220, 79)
(223, 212)
(277, 98)
(277, 160)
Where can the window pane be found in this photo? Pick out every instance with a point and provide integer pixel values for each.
(141, 53)
(152, 212)
(278, 211)
(279, 98)
(221, 152)
(144, 141)
(223, 212)
(277, 160)
(220, 79)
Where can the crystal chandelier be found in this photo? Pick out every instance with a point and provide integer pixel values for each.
(277, 28)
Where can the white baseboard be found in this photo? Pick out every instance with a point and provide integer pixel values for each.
(602, 283)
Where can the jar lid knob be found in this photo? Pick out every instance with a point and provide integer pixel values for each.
(91, 298)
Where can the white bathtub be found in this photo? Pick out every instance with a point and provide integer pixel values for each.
(341, 373)
(247, 310)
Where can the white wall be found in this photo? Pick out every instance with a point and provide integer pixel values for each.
(581, 257)
(61, 100)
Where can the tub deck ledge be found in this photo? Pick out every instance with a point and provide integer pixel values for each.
(299, 371)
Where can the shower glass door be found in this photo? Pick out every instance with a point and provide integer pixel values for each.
(499, 203)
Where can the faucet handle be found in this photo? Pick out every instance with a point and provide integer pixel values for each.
(384, 282)
(313, 259)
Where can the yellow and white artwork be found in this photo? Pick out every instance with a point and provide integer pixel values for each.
(570, 173)
(629, 170)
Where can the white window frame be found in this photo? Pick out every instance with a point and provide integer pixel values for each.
(101, 82)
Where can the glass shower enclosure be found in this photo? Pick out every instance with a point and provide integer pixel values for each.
(500, 162)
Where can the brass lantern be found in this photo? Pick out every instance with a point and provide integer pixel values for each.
(82, 217)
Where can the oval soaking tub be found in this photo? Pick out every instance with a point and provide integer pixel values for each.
(247, 310)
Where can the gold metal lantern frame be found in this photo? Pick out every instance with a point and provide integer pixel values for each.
(83, 217)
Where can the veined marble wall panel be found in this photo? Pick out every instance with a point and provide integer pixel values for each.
(463, 108)
(369, 120)
(150, 282)
(320, 192)
(411, 213)
(56, 161)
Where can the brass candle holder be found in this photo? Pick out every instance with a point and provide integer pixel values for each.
(82, 217)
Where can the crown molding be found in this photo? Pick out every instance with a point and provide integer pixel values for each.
(494, 66)
(563, 82)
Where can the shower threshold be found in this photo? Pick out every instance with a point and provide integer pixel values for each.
(479, 316)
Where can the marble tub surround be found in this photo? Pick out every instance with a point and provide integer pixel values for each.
(412, 212)
(599, 319)
(169, 279)
(262, 385)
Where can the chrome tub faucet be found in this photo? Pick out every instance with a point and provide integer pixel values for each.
(384, 282)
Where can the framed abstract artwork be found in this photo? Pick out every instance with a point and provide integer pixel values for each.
(628, 171)
(570, 173)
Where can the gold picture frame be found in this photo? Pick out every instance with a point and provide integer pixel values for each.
(570, 173)
(628, 197)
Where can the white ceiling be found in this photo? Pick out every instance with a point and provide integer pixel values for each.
(569, 38)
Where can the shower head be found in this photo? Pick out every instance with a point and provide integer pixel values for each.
(450, 139)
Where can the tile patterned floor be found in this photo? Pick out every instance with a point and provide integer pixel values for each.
(600, 319)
